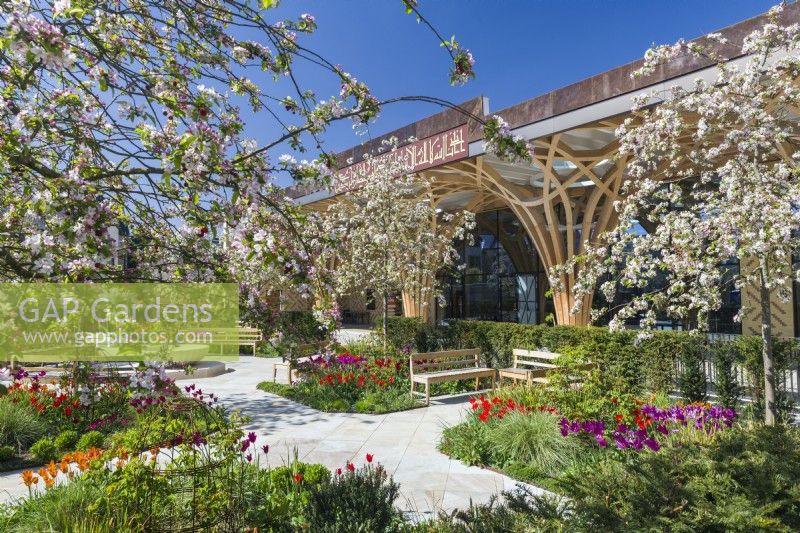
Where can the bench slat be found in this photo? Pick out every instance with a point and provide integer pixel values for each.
(536, 364)
(453, 372)
(444, 354)
(453, 376)
(535, 354)
(425, 367)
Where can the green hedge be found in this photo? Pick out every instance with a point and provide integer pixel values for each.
(411, 333)
(636, 366)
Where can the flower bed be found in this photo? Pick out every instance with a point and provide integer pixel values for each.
(644, 427)
(363, 380)
(40, 421)
(650, 423)
(359, 377)
(701, 467)
(114, 489)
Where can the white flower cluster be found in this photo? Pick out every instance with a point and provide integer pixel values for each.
(714, 172)
(147, 381)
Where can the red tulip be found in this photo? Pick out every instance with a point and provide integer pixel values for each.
(369, 457)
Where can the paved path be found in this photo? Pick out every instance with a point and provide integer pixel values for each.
(404, 442)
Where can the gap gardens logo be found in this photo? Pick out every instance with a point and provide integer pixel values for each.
(119, 321)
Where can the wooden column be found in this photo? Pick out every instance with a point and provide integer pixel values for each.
(782, 308)
(414, 306)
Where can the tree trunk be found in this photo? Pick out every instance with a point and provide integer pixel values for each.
(766, 350)
(385, 318)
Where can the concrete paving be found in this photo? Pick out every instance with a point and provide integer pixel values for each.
(404, 442)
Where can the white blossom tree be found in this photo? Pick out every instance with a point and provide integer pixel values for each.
(716, 174)
(391, 236)
(128, 115)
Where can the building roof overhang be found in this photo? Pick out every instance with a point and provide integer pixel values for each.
(583, 113)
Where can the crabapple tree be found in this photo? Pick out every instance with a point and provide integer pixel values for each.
(715, 170)
(391, 236)
(124, 148)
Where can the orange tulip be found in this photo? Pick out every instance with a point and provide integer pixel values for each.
(27, 478)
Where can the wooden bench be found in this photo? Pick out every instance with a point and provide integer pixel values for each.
(241, 336)
(531, 366)
(450, 365)
(299, 354)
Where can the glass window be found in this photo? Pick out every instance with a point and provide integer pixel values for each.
(498, 278)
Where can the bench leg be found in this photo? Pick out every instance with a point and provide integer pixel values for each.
(254, 349)
(274, 373)
(477, 383)
(493, 381)
(427, 393)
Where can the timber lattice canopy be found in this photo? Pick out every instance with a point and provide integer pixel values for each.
(563, 198)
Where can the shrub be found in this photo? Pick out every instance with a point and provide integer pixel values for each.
(692, 378)
(66, 440)
(358, 501)
(785, 352)
(64, 508)
(411, 332)
(44, 450)
(7, 452)
(520, 511)
(467, 442)
(313, 474)
(593, 398)
(299, 326)
(658, 356)
(746, 480)
(92, 439)
(20, 424)
(726, 385)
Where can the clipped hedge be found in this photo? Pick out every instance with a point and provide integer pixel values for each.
(411, 333)
(666, 362)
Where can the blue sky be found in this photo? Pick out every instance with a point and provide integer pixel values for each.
(522, 47)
